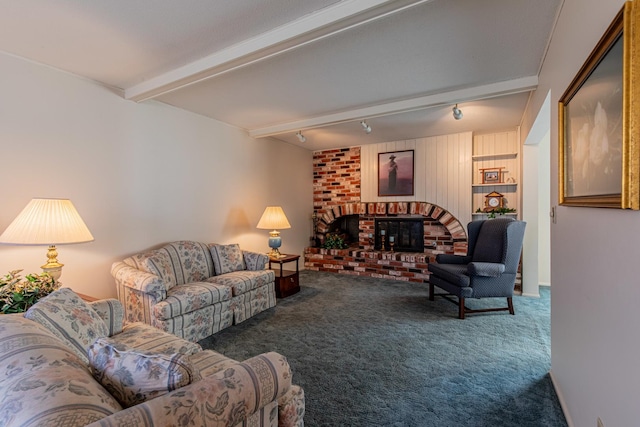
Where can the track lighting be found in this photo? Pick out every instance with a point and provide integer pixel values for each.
(366, 127)
(457, 113)
(301, 137)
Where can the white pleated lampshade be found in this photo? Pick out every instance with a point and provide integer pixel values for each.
(47, 222)
(273, 218)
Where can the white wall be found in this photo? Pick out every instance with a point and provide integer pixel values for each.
(595, 292)
(442, 167)
(139, 174)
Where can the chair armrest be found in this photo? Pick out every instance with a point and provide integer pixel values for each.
(486, 269)
(223, 399)
(254, 260)
(139, 280)
(112, 312)
(452, 259)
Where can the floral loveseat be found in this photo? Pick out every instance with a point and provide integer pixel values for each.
(70, 363)
(193, 289)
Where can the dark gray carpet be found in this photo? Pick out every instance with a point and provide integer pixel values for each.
(374, 352)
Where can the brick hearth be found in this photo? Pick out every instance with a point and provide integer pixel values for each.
(443, 234)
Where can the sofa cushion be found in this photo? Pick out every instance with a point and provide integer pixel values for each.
(156, 262)
(43, 382)
(133, 376)
(147, 338)
(227, 258)
(198, 324)
(244, 281)
(190, 297)
(111, 312)
(71, 319)
(255, 260)
(190, 261)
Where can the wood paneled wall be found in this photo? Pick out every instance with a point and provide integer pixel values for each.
(443, 168)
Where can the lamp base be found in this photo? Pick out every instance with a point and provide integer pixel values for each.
(275, 241)
(275, 253)
(53, 268)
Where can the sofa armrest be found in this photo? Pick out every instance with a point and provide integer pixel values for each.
(452, 259)
(112, 312)
(223, 399)
(254, 260)
(485, 269)
(142, 281)
(291, 408)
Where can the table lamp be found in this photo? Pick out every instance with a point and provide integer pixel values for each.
(274, 218)
(48, 222)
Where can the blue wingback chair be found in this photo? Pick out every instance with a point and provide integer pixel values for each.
(489, 268)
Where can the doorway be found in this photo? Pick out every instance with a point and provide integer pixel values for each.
(536, 203)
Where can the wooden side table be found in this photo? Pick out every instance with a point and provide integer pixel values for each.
(87, 298)
(287, 282)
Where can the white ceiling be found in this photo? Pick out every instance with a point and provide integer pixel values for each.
(274, 67)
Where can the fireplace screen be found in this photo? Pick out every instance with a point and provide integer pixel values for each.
(407, 234)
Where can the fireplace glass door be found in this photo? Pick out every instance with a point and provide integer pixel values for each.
(407, 234)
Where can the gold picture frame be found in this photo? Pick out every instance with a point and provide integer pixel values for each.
(598, 140)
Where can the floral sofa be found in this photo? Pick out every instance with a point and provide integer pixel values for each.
(193, 289)
(71, 363)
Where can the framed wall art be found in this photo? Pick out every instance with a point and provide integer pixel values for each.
(598, 140)
(491, 175)
(396, 173)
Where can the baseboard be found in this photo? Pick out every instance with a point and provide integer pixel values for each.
(563, 403)
(530, 295)
(536, 295)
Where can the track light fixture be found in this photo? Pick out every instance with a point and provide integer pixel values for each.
(457, 113)
(366, 127)
(301, 137)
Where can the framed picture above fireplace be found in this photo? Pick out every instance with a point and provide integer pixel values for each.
(395, 173)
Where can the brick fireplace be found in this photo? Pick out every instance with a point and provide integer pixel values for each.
(338, 209)
(441, 233)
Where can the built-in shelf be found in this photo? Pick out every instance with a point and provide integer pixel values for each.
(494, 156)
(495, 184)
(499, 153)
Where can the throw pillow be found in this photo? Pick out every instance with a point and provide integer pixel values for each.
(156, 262)
(227, 258)
(133, 377)
(70, 318)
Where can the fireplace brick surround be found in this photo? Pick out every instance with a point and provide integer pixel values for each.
(336, 181)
